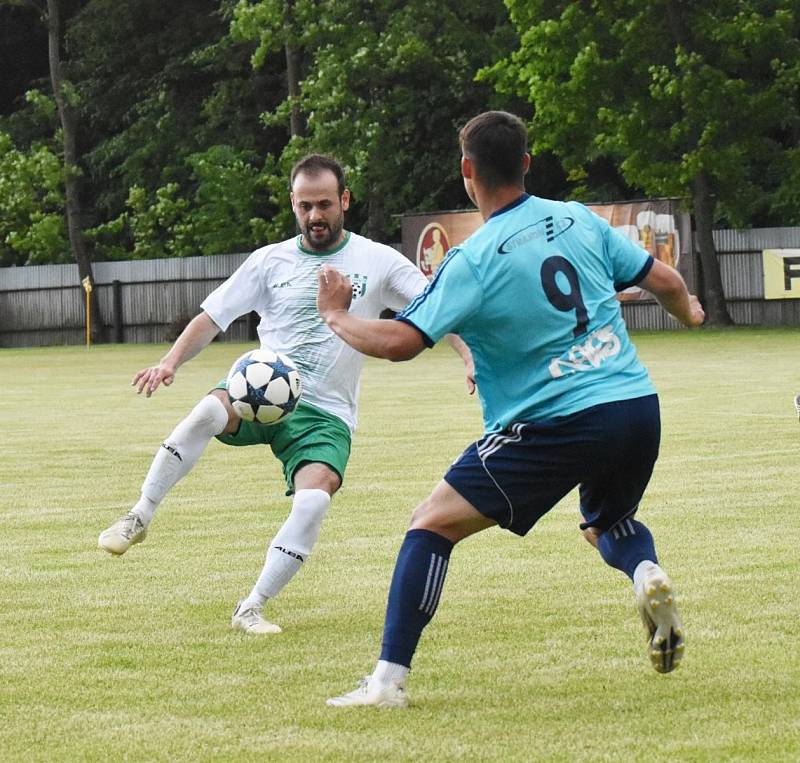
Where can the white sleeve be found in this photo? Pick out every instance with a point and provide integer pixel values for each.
(402, 282)
(241, 293)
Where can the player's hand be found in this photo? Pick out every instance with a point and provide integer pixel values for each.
(696, 313)
(149, 379)
(471, 377)
(335, 291)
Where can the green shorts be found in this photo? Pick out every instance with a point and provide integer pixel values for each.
(309, 435)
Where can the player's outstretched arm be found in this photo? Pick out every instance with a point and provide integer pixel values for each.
(669, 288)
(388, 339)
(199, 333)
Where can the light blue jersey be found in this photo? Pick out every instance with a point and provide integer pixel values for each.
(533, 294)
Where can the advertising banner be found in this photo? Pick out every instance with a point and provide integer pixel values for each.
(427, 237)
(659, 226)
(781, 273)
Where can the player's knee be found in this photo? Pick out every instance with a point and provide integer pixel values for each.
(233, 420)
(592, 535)
(316, 476)
(421, 516)
(432, 516)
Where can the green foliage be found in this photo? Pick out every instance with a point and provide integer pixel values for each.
(161, 85)
(384, 88)
(32, 229)
(220, 215)
(158, 88)
(669, 90)
(183, 111)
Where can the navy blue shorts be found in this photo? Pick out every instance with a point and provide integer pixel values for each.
(515, 477)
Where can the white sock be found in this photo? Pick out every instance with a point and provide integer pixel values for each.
(179, 453)
(390, 672)
(638, 574)
(291, 546)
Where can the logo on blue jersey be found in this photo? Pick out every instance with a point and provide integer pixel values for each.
(598, 347)
(547, 228)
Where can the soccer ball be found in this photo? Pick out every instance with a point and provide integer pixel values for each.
(264, 386)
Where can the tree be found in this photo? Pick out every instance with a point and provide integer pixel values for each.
(67, 115)
(32, 229)
(50, 14)
(384, 87)
(174, 104)
(694, 100)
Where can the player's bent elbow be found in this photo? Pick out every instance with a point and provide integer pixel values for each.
(400, 342)
(398, 353)
(399, 348)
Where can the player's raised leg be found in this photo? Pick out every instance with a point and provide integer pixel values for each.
(437, 525)
(628, 546)
(629, 433)
(290, 548)
(174, 459)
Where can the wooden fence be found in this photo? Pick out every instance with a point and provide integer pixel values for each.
(140, 300)
(151, 300)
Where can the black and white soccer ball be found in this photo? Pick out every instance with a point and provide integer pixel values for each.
(264, 386)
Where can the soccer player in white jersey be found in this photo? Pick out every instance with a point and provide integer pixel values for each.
(566, 401)
(279, 282)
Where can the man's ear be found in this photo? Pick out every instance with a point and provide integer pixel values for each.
(467, 168)
(527, 160)
(346, 199)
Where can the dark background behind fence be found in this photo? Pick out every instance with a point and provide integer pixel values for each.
(152, 300)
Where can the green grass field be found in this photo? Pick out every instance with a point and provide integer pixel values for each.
(536, 652)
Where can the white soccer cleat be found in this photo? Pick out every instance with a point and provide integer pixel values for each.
(250, 621)
(374, 693)
(123, 534)
(797, 405)
(656, 600)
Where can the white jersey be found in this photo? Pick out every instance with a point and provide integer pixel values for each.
(279, 282)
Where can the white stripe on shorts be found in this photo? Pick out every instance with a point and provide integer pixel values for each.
(495, 441)
(492, 444)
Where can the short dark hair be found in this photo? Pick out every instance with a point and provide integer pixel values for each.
(314, 164)
(495, 143)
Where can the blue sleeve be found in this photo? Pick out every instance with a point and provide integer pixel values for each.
(450, 299)
(630, 263)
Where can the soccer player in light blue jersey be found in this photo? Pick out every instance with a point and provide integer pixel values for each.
(566, 401)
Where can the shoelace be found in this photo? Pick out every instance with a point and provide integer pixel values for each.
(251, 615)
(131, 521)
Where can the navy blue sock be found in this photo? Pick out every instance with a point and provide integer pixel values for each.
(627, 544)
(414, 594)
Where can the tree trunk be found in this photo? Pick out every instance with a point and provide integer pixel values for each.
(296, 123)
(713, 295)
(68, 120)
(376, 217)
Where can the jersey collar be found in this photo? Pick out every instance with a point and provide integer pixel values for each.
(508, 207)
(338, 248)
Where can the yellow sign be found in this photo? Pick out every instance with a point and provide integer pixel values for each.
(781, 273)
